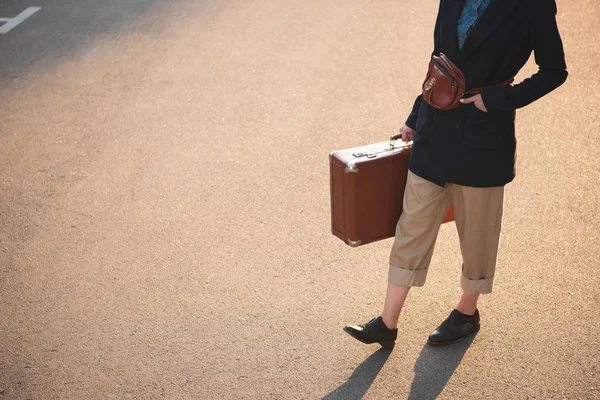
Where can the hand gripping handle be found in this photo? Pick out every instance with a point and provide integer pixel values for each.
(396, 137)
(393, 139)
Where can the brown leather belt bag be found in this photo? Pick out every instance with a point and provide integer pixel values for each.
(444, 84)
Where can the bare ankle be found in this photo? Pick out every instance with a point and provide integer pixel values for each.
(467, 309)
(468, 303)
(389, 324)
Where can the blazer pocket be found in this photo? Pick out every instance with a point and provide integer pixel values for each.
(489, 131)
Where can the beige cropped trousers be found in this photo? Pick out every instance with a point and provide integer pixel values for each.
(478, 214)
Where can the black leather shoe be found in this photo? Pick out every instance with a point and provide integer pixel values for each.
(373, 331)
(454, 328)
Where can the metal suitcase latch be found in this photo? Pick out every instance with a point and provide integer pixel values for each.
(364, 154)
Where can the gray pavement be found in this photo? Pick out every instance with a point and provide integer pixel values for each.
(164, 209)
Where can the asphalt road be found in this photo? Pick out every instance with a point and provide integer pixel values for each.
(164, 209)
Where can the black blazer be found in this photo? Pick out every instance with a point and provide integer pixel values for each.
(467, 146)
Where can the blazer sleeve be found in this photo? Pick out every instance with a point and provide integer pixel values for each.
(549, 56)
(411, 121)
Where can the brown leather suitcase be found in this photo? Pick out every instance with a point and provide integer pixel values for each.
(367, 188)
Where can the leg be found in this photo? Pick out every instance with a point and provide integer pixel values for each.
(423, 208)
(478, 213)
(394, 300)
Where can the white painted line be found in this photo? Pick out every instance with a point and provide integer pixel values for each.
(12, 22)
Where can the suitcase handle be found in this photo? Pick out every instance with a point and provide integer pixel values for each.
(393, 139)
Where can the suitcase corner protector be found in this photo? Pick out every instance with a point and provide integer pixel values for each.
(353, 243)
(351, 168)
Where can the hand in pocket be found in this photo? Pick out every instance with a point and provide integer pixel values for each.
(477, 100)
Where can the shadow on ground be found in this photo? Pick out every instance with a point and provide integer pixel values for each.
(362, 378)
(434, 368)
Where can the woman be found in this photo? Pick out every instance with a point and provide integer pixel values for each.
(466, 155)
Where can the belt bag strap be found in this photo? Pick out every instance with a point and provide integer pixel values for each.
(475, 91)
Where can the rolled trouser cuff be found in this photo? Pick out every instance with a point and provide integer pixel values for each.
(472, 286)
(406, 277)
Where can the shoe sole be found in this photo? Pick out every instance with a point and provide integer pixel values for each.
(387, 345)
(475, 329)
